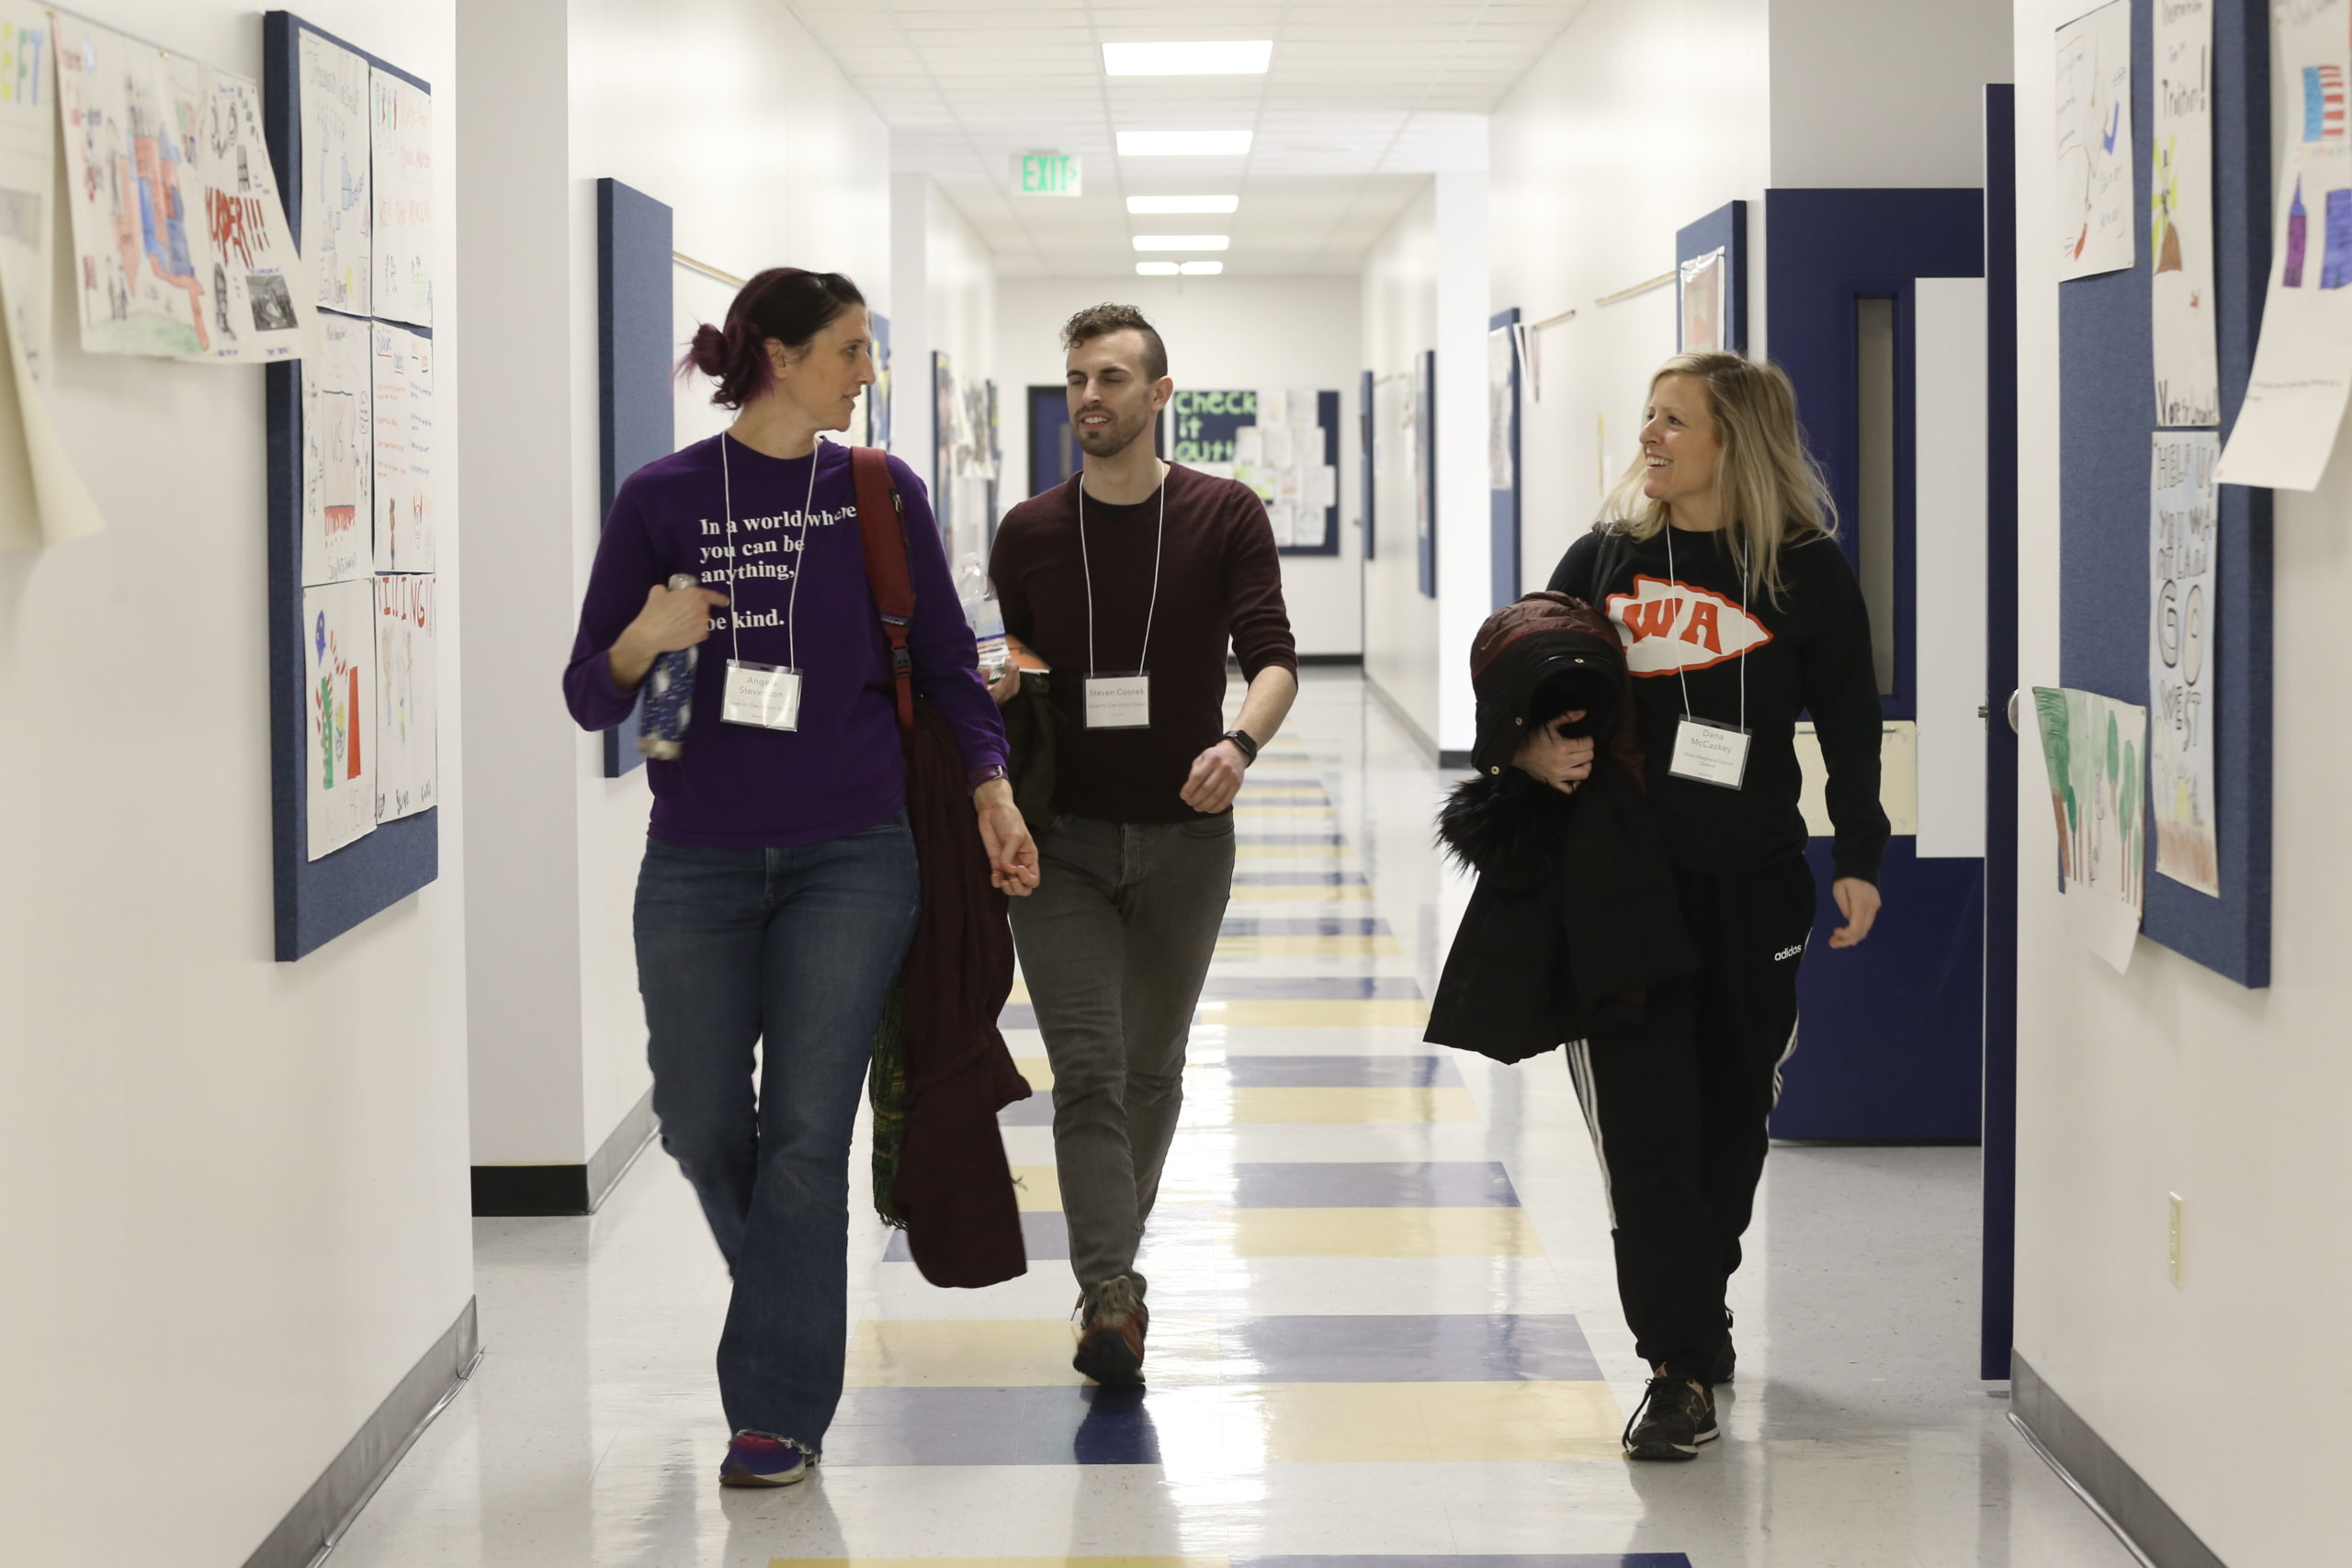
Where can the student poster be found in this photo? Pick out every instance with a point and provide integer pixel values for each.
(2183, 556)
(407, 757)
(400, 431)
(339, 699)
(2096, 219)
(337, 205)
(28, 176)
(1702, 305)
(401, 155)
(2180, 217)
(338, 452)
(2094, 750)
(2303, 366)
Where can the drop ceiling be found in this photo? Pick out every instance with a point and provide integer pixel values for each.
(1361, 103)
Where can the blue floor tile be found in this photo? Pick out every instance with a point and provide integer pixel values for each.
(1306, 925)
(992, 1425)
(1462, 1184)
(1399, 1348)
(1017, 1015)
(1290, 838)
(1584, 1559)
(1310, 987)
(1343, 1072)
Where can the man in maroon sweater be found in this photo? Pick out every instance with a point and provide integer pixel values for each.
(1129, 581)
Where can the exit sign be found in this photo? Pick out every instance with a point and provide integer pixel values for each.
(1045, 173)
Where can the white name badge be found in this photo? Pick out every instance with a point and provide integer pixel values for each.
(1118, 701)
(1710, 753)
(765, 696)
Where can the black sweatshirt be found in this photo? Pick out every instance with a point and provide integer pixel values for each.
(1808, 653)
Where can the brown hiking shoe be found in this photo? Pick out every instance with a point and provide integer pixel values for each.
(1110, 1337)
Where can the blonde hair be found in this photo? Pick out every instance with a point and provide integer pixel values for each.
(1769, 489)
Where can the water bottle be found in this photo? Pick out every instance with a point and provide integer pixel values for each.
(987, 618)
(669, 696)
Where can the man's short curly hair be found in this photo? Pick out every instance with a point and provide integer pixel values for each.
(1096, 320)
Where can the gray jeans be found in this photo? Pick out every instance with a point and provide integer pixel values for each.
(1115, 944)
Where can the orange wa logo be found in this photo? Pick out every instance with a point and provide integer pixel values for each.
(1670, 627)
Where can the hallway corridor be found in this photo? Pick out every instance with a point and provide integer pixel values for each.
(1384, 1322)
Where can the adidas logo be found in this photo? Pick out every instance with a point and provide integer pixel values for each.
(1788, 952)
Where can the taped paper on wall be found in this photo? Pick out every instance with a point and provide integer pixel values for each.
(2093, 749)
(338, 208)
(338, 452)
(408, 634)
(1702, 305)
(400, 159)
(2183, 556)
(2095, 221)
(401, 436)
(2302, 367)
(2180, 217)
(339, 694)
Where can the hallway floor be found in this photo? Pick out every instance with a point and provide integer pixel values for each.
(1384, 1322)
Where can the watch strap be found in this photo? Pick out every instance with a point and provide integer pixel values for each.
(1241, 738)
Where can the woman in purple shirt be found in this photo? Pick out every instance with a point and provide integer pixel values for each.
(778, 892)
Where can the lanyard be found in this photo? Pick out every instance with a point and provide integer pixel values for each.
(799, 559)
(1684, 675)
(1143, 663)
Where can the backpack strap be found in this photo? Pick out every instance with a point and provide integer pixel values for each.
(882, 527)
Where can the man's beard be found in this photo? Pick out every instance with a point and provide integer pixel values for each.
(1115, 437)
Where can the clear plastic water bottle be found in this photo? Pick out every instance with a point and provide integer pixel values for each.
(987, 618)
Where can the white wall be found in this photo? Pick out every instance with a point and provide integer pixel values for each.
(1220, 331)
(2171, 1079)
(1885, 92)
(237, 1196)
(944, 282)
(1399, 299)
(678, 99)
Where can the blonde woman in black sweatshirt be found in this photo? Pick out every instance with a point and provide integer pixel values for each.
(1718, 563)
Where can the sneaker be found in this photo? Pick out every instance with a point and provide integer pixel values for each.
(754, 1459)
(1110, 1337)
(1676, 1415)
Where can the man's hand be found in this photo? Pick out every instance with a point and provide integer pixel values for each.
(1564, 761)
(1858, 901)
(672, 619)
(1216, 778)
(1013, 853)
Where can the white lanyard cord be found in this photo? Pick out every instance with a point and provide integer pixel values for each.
(1086, 564)
(800, 560)
(1683, 674)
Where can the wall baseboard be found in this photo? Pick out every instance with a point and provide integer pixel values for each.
(317, 1521)
(542, 1190)
(2143, 1521)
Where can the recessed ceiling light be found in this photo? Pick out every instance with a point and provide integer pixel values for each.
(1157, 269)
(1239, 58)
(1163, 205)
(1203, 268)
(1183, 242)
(1183, 144)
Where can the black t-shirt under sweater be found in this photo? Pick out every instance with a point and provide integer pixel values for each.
(1808, 653)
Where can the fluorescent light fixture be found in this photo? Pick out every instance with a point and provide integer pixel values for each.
(1183, 242)
(1142, 205)
(1157, 269)
(1203, 268)
(1183, 144)
(1237, 58)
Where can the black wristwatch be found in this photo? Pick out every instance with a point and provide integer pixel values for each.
(1241, 738)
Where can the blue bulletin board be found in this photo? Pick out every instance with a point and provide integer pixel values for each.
(1206, 429)
(2107, 409)
(637, 419)
(316, 900)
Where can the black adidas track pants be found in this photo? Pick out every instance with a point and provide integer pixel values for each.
(1678, 1108)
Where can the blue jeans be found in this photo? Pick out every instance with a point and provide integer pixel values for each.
(795, 948)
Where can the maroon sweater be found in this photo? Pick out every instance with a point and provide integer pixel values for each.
(1220, 582)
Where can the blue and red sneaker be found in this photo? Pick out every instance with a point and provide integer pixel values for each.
(754, 1459)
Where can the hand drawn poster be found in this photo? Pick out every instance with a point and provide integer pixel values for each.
(2302, 367)
(1702, 304)
(2094, 749)
(402, 438)
(255, 291)
(1501, 345)
(337, 208)
(407, 632)
(2095, 218)
(2183, 556)
(338, 452)
(2180, 217)
(401, 136)
(339, 699)
(28, 176)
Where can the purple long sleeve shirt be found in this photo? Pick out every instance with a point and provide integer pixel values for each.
(841, 772)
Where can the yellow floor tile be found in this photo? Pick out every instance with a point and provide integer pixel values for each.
(1385, 1105)
(1439, 1423)
(1038, 1071)
(1247, 895)
(1294, 1013)
(1290, 851)
(1038, 1189)
(999, 1563)
(1384, 1233)
(1013, 1352)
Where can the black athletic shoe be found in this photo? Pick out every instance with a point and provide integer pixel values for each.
(1675, 1416)
(1110, 1339)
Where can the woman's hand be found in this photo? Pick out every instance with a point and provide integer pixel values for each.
(1007, 686)
(1562, 762)
(1858, 901)
(1013, 853)
(672, 619)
